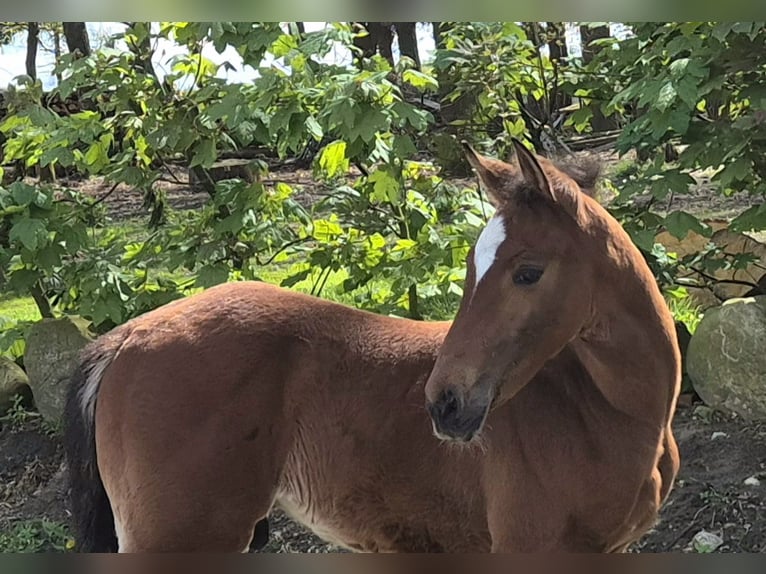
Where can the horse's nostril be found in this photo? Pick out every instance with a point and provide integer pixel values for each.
(450, 403)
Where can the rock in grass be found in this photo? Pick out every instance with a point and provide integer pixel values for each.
(13, 381)
(726, 358)
(52, 350)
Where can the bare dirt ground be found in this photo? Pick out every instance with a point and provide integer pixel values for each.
(719, 453)
(124, 202)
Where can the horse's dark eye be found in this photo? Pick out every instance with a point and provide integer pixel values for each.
(527, 276)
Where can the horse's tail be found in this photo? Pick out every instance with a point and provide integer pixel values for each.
(91, 511)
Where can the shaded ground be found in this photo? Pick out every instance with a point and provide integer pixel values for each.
(718, 455)
(124, 202)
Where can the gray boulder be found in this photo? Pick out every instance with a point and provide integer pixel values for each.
(726, 359)
(53, 347)
(13, 381)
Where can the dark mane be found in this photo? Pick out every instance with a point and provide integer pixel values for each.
(585, 171)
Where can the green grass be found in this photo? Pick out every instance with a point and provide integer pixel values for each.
(15, 309)
(35, 536)
(686, 311)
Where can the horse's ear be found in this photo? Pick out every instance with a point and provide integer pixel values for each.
(532, 171)
(492, 173)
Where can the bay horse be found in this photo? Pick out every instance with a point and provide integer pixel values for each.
(538, 421)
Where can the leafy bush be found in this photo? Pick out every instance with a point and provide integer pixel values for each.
(702, 87)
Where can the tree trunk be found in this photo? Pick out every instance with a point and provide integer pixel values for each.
(143, 50)
(301, 29)
(557, 47)
(33, 39)
(378, 40)
(384, 38)
(57, 52)
(43, 305)
(77, 38)
(408, 40)
(366, 44)
(437, 34)
(588, 35)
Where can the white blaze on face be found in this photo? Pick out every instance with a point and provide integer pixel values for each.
(486, 248)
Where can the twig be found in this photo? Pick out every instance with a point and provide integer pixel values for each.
(717, 280)
(686, 530)
(170, 172)
(283, 248)
(105, 196)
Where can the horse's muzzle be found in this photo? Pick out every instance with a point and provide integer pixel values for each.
(453, 419)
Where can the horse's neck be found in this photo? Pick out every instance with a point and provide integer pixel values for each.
(630, 352)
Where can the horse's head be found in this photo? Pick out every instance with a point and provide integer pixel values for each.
(528, 290)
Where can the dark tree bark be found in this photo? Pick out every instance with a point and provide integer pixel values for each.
(33, 39)
(408, 40)
(143, 50)
(301, 28)
(588, 35)
(378, 40)
(77, 38)
(384, 38)
(557, 46)
(366, 44)
(437, 34)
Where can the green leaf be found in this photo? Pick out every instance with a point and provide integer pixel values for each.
(404, 245)
(737, 170)
(580, 119)
(721, 30)
(23, 279)
(404, 146)
(666, 96)
(205, 154)
(63, 155)
(678, 67)
(210, 275)
(325, 230)
(96, 157)
(284, 45)
(230, 224)
(420, 80)
(688, 92)
(23, 193)
(643, 238)
(49, 256)
(333, 159)
(753, 219)
(295, 278)
(32, 233)
(417, 118)
(680, 223)
(370, 122)
(385, 187)
(679, 121)
(314, 128)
